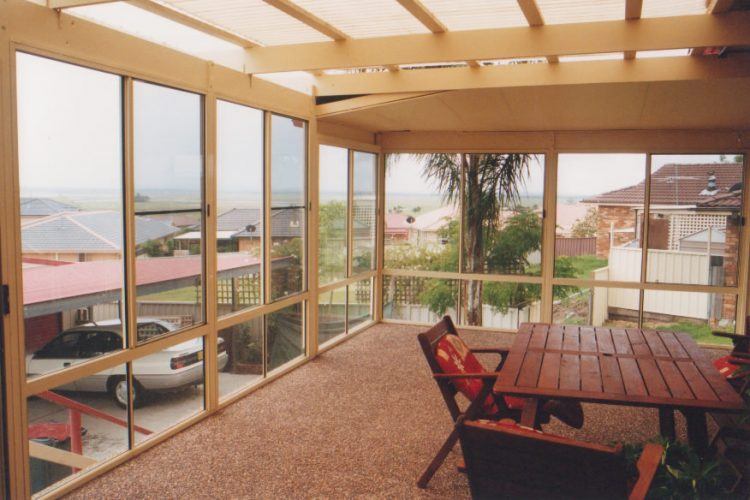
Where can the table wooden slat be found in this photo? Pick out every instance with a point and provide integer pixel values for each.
(604, 341)
(571, 338)
(674, 379)
(673, 345)
(570, 372)
(538, 338)
(637, 342)
(653, 379)
(550, 372)
(588, 340)
(514, 360)
(694, 378)
(620, 339)
(655, 343)
(555, 337)
(611, 376)
(709, 372)
(631, 377)
(591, 376)
(529, 375)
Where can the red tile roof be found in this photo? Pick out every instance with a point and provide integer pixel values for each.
(724, 201)
(676, 184)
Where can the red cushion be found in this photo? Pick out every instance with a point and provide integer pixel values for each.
(455, 357)
(725, 366)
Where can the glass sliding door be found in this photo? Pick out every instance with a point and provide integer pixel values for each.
(288, 205)
(168, 164)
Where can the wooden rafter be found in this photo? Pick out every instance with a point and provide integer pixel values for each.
(424, 16)
(531, 75)
(713, 7)
(507, 43)
(308, 18)
(167, 12)
(534, 17)
(365, 102)
(633, 9)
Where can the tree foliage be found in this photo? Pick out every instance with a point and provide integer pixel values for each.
(586, 226)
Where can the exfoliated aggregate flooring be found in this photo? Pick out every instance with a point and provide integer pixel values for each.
(361, 420)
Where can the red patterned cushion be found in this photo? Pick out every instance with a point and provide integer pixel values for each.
(725, 366)
(455, 357)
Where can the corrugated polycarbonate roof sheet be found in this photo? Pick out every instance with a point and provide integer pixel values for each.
(476, 14)
(253, 19)
(665, 8)
(365, 18)
(581, 11)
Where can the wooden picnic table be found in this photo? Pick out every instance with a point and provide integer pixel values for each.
(630, 366)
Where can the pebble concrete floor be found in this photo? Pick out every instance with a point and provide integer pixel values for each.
(361, 420)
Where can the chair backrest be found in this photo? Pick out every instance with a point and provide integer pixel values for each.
(429, 341)
(506, 461)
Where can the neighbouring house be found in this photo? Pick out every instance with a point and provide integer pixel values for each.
(396, 227)
(676, 191)
(241, 229)
(38, 208)
(568, 214)
(86, 236)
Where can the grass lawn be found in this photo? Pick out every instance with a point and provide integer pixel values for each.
(186, 294)
(701, 333)
(584, 264)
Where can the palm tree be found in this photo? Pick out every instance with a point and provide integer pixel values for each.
(491, 185)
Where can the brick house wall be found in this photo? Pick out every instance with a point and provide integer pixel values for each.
(619, 216)
(41, 329)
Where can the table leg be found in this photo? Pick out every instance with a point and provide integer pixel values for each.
(666, 424)
(697, 430)
(529, 413)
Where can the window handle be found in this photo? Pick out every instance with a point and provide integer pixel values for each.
(66, 364)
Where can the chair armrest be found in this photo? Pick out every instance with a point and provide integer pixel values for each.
(740, 357)
(647, 465)
(502, 352)
(488, 375)
(733, 336)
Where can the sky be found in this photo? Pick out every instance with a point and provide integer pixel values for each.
(70, 140)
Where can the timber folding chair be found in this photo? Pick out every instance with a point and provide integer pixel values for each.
(456, 369)
(505, 460)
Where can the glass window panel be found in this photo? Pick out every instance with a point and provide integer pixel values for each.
(502, 305)
(331, 314)
(239, 221)
(695, 313)
(70, 175)
(359, 309)
(57, 424)
(502, 206)
(334, 186)
(364, 218)
(597, 306)
(240, 355)
(168, 386)
(422, 215)
(288, 205)
(285, 339)
(600, 199)
(168, 155)
(422, 300)
(694, 219)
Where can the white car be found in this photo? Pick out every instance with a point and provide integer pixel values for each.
(175, 367)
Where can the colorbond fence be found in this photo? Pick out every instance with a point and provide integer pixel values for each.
(573, 247)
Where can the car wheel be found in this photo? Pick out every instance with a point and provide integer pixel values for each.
(118, 389)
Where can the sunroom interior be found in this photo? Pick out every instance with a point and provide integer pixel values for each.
(201, 197)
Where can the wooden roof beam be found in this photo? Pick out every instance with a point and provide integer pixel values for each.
(423, 15)
(633, 10)
(506, 43)
(533, 75)
(308, 18)
(713, 7)
(534, 17)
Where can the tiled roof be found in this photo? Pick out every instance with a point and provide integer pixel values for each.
(676, 184)
(85, 232)
(285, 222)
(724, 201)
(42, 207)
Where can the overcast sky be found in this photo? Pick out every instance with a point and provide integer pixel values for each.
(70, 140)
